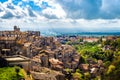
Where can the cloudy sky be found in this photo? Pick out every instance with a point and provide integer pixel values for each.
(61, 15)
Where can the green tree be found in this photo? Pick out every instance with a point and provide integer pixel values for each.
(111, 68)
(9, 73)
(87, 76)
(77, 76)
(108, 55)
(17, 70)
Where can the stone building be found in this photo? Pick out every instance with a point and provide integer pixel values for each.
(18, 60)
(7, 43)
(56, 64)
(47, 74)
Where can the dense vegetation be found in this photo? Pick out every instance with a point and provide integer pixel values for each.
(87, 49)
(108, 51)
(11, 73)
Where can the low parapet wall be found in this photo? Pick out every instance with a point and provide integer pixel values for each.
(19, 60)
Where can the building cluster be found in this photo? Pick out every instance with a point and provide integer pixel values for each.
(94, 68)
(47, 53)
(77, 39)
(57, 59)
(8, 39)
(44, 52)
(64, 39)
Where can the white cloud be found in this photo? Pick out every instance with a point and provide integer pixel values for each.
(54, 10)
(59, 17)
(63, 25)
(57, 12)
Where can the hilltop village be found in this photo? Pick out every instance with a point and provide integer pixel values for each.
(44, 52)
(53, 58)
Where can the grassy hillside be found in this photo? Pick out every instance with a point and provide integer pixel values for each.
(10, 73)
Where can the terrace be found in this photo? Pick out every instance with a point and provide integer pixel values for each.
(18, 60)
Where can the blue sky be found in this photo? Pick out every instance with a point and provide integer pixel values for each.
(80, 15)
